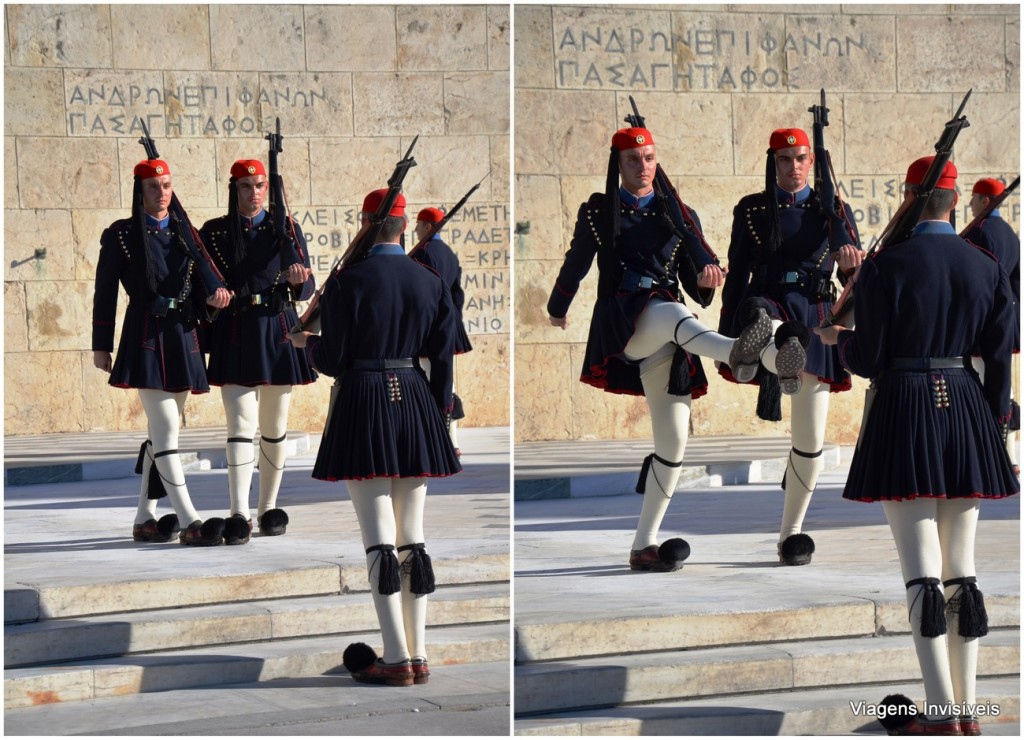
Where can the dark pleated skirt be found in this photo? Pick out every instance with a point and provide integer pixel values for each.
(911, 447)
(251, 348)
(158, 353)
(380, 427)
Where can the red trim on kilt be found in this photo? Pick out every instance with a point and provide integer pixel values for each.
(913, 496)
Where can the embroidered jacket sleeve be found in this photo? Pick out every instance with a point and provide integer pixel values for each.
(325, 351)
(112, 263)
(689, 268)
(305, 291)
(740, 267)
(862, 352)
(579, 258)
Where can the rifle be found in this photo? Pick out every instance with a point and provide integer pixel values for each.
(993, 204)
(364, 238)
(909, 213)
(840, 230)
(435, 228)
(287, 242)
(680, 218)
(186, 232)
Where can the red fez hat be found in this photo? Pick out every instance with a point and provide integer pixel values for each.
(631, 138)
(148, 168)
(989, 186)
(372, 202)
(247, 168)
(430, 215)
(916, 173)
(783, 138)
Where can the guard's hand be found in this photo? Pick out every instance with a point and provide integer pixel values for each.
(849, 258)
(712, 276)
(298, 274)
(221, 298)
(562, 322)
(829, 334)
(298, 337)
(102, 360)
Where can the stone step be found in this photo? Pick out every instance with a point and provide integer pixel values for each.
(105, 596)
(91, 637)
(34, 460)
(689, 627)
(811, 711)
(229, 664)
(650, 677)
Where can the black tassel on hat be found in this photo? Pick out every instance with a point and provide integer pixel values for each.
(389, 582)
(421, 569)
(968, 602)
(933, 607)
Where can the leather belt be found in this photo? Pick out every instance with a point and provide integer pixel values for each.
(162, 305)
(633, 281)
(923, 364)
(383, 364)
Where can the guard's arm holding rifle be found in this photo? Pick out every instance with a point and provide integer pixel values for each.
(294, 257)
(844, 241)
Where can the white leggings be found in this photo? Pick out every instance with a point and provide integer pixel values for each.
(935, 539)
(243, 406)
(390, 512)
(163, 409)
(664, 324)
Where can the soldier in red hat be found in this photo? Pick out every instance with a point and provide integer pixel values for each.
(643, 338)
(249, 357)
(931, 446)
(158, 353)
(386, 430)
(998, 237)
(779, 256)
(443, 260)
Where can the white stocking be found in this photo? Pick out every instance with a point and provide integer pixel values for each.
(162, 412)
(147, 505)
(372, 501)
(665, 322)
(670, 421)
(408, 496)
(809, 413)
(915, 528)
(274, 401)
(240, 405)
(958, 522)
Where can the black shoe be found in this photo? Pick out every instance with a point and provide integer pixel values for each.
(203, 534)
(745, 355)
(156, 531)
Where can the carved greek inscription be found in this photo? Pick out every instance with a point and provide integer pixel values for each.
(593, 55)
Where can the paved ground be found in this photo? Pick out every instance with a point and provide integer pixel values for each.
(69, 532)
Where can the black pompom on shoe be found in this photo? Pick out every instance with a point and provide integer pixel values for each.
(206, 534)
(237, 530)
(273, 522)
(358, 657)
(675, 550)
(167, 527)
(796, 549)
(899, 710)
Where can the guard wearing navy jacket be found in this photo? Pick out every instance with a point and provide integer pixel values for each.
(442, 259)
(159, 350)
(779, 252)
(931, 447)
(999, 238)
(386, 432)
(643, 339)
(249, 356)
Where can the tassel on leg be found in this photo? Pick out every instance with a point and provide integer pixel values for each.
(420, 568)
(969, 604)
(933, 607)
(389, 580)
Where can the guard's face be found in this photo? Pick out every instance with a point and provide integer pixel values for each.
(792, 167)
(636, 169)
(978, 203)
(252, 191)
(422, 229)
(156, 195)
